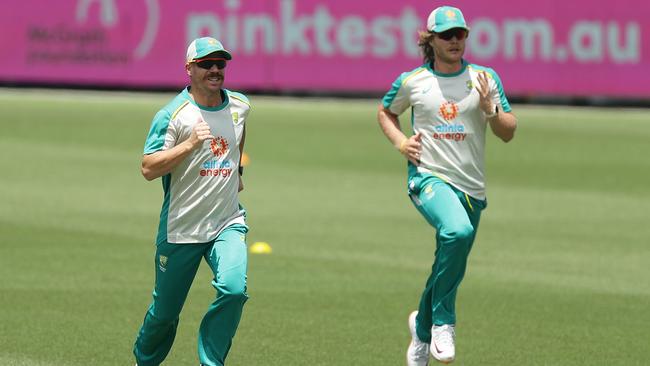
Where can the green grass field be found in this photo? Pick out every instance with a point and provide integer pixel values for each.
(559, 275)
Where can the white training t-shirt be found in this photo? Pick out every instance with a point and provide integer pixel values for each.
(201, 193)
(445, 109)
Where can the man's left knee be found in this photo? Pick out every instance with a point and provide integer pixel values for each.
(233, 290)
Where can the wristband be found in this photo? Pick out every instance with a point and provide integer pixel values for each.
(402, 145)
(493, 114)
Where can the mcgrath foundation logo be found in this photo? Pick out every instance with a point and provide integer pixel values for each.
(109, 18)
(448, 111)
(100, 33)
(219, 146)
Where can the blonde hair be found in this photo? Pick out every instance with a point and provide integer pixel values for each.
(424, 42)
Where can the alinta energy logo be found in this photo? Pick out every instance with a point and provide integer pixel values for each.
(453, 131)
(217, 167)
(448, 111)
(219, 146)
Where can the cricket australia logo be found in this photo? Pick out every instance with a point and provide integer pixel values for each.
(219, 146)
(163, 263)
(448, 111)
(235, 117)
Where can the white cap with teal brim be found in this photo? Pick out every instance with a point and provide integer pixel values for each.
(445, 18)
(204, 46)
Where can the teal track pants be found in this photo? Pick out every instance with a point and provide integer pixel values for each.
(455, 216)
(176, 267)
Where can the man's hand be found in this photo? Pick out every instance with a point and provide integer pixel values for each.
(485, 102)
(411, 147)
(200, 133)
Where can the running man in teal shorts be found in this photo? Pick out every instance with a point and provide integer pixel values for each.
(195, 144)
(452, 103)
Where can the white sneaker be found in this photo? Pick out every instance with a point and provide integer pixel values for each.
(442, 343)
(418, 351)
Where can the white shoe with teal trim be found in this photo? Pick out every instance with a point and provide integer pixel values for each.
(418, 351)
(442, 343)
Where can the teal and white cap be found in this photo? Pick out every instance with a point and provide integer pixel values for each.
(445, 18)
(204, 46)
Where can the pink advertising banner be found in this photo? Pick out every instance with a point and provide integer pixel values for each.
(569, 48)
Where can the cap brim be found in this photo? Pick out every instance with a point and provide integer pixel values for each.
(449, 26)
(221, 53)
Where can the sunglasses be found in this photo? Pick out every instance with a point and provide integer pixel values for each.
(207, 63)
(459, 33)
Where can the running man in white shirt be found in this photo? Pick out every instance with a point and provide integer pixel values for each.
(195, 144)
(452, 103)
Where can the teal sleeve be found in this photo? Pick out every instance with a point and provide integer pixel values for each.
(156, 137)
(395, 99)
(505, 105)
